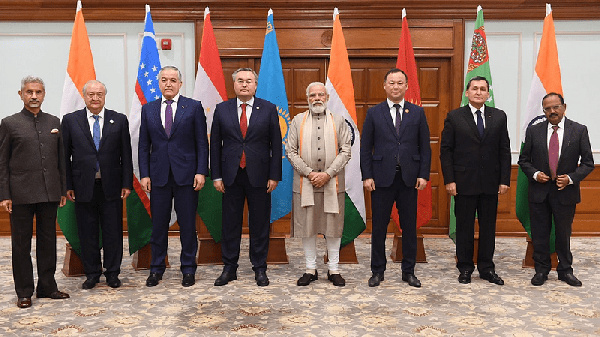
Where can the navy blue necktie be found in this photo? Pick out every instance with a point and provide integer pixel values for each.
(398, 118)
(96, 136)
(479, 123)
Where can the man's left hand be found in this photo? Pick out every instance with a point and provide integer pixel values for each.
(502, 189)
(271, 185)
(320, 179)
(199, 180)
(63, 201)
(421, 184)
(562, 181)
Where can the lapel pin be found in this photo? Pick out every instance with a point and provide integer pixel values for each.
(111, 121)
(406, 110)
(257, 107)
(54, 131)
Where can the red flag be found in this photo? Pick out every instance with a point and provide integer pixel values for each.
(406, 62)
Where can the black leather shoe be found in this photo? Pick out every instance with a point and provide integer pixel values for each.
(261, 278)
(113, 281)
(336, 279)
(153, 279)
(56, 295)
(188, 280)
(375, 279)
(491, 277)
(411, 279)
(24, 302)
(307, 278)
(464, 277)
(226, 277)
(90, 283)
(570, 279)
(538, 279)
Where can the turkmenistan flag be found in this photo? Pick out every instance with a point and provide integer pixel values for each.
(341, 101)
(210, 90)
(479, 65)
(80, 70)
(546, 78)
(271, 87)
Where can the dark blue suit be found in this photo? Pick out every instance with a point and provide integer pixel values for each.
(262, 146)
(171, 162)
(98, 203)
(394, 161)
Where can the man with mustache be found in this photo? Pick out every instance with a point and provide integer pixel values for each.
(319, 147)
(32, 183)
(556, 157)
(395, 158)
(475, 158)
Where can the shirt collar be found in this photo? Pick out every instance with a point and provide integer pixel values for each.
(391, 104)
(561, 124)
(174, 99)
(90, 114)
(474, 109)
(250, 102)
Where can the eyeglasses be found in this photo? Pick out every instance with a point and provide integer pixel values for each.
(553, 108)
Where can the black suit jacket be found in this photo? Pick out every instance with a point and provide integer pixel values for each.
(534, 157)
(478, 165)
(262, 143)
(114, 155)
(380, 145)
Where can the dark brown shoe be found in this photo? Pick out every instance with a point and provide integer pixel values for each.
(307, 278)
(336, 279)
(24, 302)
(56, 295)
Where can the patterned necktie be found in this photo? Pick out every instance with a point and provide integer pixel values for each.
(398, 118)
(96, 137)
(244, 129)
(479, 123)
(168, 117)
(553, 152)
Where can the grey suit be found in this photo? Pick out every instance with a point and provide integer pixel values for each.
(545, 200)
(32, 175)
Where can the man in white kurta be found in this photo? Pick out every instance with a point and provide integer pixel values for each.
(318, 148)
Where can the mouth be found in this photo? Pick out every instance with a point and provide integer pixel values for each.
(554, 115)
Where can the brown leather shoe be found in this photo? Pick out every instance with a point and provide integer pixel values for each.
(56, 295)
(24, 302)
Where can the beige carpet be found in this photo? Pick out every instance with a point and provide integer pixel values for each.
(442, 307)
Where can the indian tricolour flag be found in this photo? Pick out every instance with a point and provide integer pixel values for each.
(210, 90)
(546, 79)
(80, 70)
(341, 101)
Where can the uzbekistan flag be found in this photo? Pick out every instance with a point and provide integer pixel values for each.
(271, 87)
(341, 101)
(80, 70)
(210, 90)
(139, 223)
(546, 79)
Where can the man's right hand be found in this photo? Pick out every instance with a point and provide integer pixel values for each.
(542, 177)
(146, 184)
(219, 186)
(451, 189)
(71, 195)
(369, 184)
(7, 204)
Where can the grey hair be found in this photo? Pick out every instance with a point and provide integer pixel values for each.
(85, 86)
(170, 68)
(315, 84)
(32, 79)
(244, 69)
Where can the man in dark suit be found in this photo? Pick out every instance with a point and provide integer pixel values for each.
(556, 157)
(475, 158)
(99, 173)
(245, 160)
(32, 183)
(395, 158)
(173, 159)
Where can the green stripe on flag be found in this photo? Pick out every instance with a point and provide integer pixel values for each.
(210, 209)
(353, 222)
(139, 223)
(67, 221)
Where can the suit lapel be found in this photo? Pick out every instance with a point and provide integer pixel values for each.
(233, 116)
(468, 116)
(406, 117)
(567, 135)
(108, 125)
(489, 121)
(387, 118)
(254, 117)
(155, 116)
(81, 117)
(181, 111)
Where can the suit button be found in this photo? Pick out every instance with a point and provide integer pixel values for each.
(319, 160)
(318, 138)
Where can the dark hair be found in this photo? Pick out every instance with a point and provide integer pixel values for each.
(478, 78)
(562, 100)
(393, 71)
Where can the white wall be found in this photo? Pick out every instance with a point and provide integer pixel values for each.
(513, 47)
(42, 49)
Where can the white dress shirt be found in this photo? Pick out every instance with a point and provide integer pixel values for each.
(393, 110)
(163, 107)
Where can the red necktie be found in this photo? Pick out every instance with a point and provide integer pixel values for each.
(243, 128)
(553, 152)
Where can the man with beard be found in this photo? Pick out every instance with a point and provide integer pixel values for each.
(32, 183)
(551, 159)
(319, 147)
(395, 158)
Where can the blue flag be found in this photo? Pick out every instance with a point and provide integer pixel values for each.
(271, 87)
